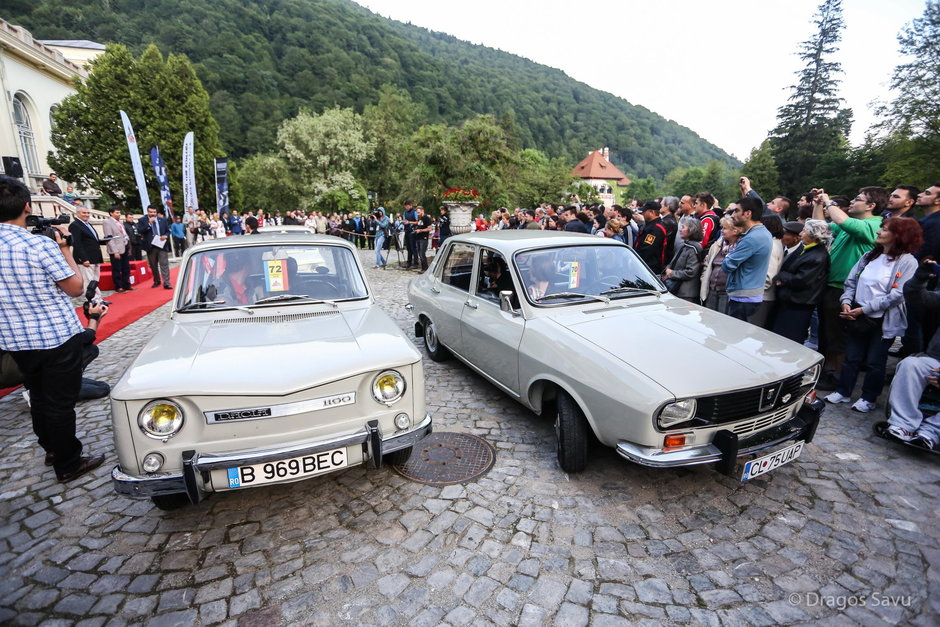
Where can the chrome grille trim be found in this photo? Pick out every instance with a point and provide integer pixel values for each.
(276, 319)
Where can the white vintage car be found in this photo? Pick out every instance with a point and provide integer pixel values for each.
(275, 365)
(578, 328)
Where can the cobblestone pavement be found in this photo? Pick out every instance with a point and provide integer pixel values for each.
(846, 535)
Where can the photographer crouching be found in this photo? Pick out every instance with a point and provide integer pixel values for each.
(40, 330)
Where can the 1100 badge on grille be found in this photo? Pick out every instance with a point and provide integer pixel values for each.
(287, 469)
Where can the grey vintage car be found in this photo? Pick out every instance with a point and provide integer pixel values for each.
(577, 327)
(275, 365)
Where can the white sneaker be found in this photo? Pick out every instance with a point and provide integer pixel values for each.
(835, 397)
(863, 406)
(899, 433)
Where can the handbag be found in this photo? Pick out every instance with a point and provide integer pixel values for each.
(672, 285)
(862, 325)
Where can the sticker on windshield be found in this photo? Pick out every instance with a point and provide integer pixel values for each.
(275, 279)
(574, 274)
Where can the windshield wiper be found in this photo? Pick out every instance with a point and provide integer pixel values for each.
(200, 303)
(635, 290)
(572, 295)
(203, 303)
(283, 297)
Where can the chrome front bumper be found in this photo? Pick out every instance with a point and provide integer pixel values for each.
(726, 448)
(194, 478)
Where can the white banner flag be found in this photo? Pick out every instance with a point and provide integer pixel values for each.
(189, 175)
(135, 161)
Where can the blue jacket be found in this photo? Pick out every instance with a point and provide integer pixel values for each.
(746, 265)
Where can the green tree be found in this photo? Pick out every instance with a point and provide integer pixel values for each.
(322, 153)
(389, 123)
(163, 99)
(811, 123)
(640, 189)
(761, 169)
(538, 179)
(682, 181)
(266, 183)
(912, 119)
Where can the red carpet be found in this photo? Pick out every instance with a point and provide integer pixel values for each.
(125, 308)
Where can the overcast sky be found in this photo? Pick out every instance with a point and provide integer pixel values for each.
(721, 68)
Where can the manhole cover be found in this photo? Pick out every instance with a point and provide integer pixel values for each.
(444, 458)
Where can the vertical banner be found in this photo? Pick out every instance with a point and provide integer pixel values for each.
(221, 186)
(189, 174)
(135, 161)
(163, 180)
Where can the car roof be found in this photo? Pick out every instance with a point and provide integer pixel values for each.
(508, 241)
(270, 238)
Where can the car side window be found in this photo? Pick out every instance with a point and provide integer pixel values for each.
(458, 267)
(492, 275)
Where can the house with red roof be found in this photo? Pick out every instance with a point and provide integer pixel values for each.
(597, 171)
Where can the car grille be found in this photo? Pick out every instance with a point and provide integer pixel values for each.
(761, 423)
(276, 319)
(743, 404)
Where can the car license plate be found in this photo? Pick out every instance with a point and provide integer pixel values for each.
(287, 469)
(761, 465)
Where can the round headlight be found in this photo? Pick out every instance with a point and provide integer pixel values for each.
(402, 421)
(152, 462)
(160, 419)
(678, 412)
(388, 387)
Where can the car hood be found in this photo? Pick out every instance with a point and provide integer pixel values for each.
(264, 354)
(689, 350)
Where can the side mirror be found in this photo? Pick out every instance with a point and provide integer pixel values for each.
(505, 301)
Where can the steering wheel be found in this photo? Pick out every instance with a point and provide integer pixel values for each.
(321, 288)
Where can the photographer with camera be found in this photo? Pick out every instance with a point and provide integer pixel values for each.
(40, 330)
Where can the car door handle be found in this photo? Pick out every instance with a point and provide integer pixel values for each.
(435, 290)
(471, 305)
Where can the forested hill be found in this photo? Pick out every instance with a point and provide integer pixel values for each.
(262, 60)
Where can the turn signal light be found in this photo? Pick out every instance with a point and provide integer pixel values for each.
(673, 441)
(811, 397)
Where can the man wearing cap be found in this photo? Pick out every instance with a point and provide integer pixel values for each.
(651, 243)
(791, 238)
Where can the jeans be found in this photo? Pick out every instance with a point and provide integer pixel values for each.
(873, 350)
(741, 310)
(379, 243)
(792, 322)
(54, 378)
(421, 250)
(910, 381)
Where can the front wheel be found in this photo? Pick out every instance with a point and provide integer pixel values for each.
(432, 343)
(397, 458)
(571, 430)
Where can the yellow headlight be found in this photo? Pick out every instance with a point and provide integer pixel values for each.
(388, 387)
(160, 419)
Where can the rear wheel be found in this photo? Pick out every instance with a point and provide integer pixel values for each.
(169, 502)
(571, 431)
(397, 458)
(432, 343)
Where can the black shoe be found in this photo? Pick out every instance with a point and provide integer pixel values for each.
(157, 284)
(86, 464)
(50, 459)
(168, 287)
(923, 442)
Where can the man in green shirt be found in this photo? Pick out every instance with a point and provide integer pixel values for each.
(853, 234)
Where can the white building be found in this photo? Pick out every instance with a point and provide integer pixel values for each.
(34, 77)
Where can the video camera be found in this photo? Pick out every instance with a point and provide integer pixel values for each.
(43, 226)
(90, 299)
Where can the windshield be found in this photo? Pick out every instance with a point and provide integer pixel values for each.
(573, 274)
(276, 274)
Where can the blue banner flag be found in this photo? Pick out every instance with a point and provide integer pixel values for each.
(221, 185)
(159, 169)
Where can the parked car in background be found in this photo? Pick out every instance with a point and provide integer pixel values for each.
(275, 365)
(578, 328)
